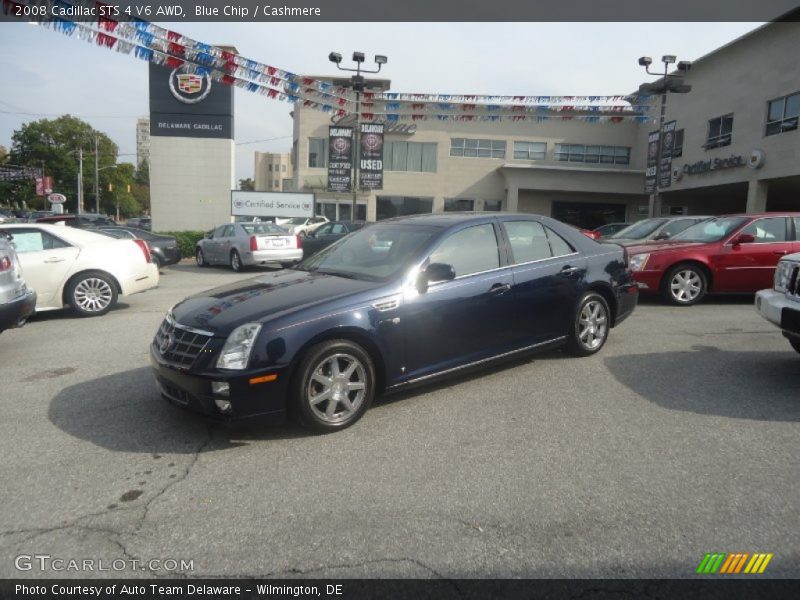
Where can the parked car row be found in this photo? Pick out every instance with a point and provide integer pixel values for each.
(17, 300)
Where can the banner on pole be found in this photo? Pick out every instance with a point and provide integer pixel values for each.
(667, 147)
(652, 162)
(370, 172)
(340, 158)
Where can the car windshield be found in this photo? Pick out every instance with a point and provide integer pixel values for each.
(296, 221)
(712, 230)
(377, 253)
(639, 230)
(252, 228)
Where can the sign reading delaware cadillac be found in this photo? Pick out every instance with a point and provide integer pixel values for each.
(714, 164)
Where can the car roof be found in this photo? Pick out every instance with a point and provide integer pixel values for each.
(71, 234)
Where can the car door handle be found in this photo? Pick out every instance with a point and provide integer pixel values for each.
(781, 252)
(499, 288)
(568, 270)
(55, 259)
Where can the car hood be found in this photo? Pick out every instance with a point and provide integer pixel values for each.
(262, 298)
(650, 247)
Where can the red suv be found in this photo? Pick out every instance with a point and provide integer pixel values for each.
(735, 253)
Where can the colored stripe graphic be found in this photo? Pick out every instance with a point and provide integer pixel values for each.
(733, 563)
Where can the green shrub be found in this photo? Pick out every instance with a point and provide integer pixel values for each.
(187, 240)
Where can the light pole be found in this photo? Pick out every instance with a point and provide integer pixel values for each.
(357, 83)
(670, 82)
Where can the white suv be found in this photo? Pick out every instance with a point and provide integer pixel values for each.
(17, 300)
(781, 305)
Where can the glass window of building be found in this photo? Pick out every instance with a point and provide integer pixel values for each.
(410, 156)
(719, 132)
(496, 205)
(783, 114)
(677, 148)
(530, 150)
(398, 206)
(458, 204)
(317, 155)
(614, 155)
(472, 148)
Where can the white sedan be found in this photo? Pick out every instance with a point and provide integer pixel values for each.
(67, 266)
(301, 226)
(781, 304)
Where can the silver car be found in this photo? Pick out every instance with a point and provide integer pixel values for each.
(656, 229)
(247, 244)
(17, 300)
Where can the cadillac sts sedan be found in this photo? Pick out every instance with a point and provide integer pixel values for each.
(394, 304)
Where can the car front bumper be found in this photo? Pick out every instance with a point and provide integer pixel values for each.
(14, 313)
(193, 390)
(779, 310)
(648, 282)
(261, 257)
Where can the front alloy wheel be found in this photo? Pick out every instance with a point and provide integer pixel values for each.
(92, 294)
(236, 261)
(590, 327)
(200, 258)
(685, 285)
(335, 387)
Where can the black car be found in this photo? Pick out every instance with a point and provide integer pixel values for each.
(326, 234)
(163, 248)
(400, 302)
(83, 221)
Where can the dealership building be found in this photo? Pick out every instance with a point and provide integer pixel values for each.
(737, 149)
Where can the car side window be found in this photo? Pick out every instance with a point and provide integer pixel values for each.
(228, 231)
(338, 228)
(675, 227)
(471, 250)
(34, 240)
(767, 231)
(325, 229)
(528, 241)
(797, 228)
(218, 231)
(558, 245)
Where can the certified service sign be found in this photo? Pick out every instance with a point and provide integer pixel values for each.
(271, 204)
(189, 88)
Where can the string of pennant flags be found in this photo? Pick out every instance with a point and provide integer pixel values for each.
(149, 42)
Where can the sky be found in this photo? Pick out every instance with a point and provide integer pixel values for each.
(47, 74)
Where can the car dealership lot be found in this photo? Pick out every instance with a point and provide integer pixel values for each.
(677, 439)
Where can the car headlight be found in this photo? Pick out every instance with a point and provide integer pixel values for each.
(236, 351)
(638, 261)
(783, 273)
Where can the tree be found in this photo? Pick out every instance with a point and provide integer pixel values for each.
(120, 180)
(3, 154)
(54, 145)
(247, 185)
(141, 186)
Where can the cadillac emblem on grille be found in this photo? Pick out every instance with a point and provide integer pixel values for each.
(166, 343)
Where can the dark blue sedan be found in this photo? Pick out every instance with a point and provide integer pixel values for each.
(400, 302)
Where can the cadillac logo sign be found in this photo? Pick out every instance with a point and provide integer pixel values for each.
(166, 343)
(189, 88)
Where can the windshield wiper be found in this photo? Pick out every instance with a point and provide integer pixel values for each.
(344, 274)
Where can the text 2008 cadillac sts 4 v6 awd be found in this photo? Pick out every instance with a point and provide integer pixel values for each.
(398, 302)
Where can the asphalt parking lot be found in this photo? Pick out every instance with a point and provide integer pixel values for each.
(679, 438)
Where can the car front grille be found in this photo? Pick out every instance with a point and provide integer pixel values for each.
(178, 344)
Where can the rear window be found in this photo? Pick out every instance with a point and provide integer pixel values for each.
(255, 228)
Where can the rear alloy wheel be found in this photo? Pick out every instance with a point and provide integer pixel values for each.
(92, 294)
(590, 326)
(236, 261)
(334, 387)
(684, 285)
(200, 258)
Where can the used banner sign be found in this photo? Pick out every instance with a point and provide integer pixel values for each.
(370, 172)
(340, 158)
(667, 146)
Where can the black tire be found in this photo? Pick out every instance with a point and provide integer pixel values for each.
(158, 261)
(795, 344)
(236, 261)
(590, 325)
(91, 293)
(200, 258)
(343, 404)
(684, 285)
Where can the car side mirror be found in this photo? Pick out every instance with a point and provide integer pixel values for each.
(662, 236)
(432, 273)
(744, 238)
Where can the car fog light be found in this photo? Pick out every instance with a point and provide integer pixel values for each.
(224, 406)
(220, 388)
